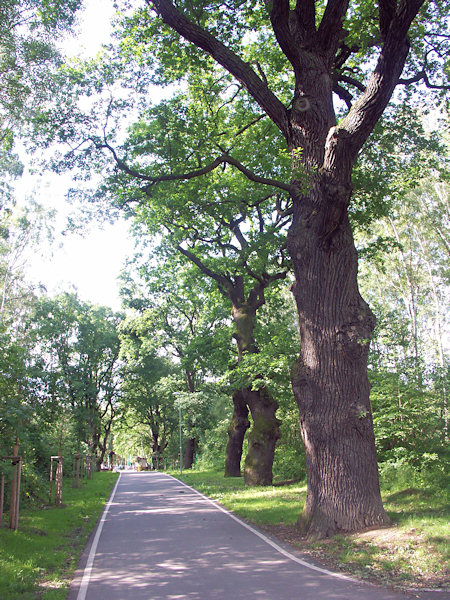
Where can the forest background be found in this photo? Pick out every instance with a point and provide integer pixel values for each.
(77, 377)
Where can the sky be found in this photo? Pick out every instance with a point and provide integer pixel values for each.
(90, 263)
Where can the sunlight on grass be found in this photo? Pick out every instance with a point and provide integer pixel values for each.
(261, 505)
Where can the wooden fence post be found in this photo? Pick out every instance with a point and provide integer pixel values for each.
(13, 500)
(51, 481)
(59, 480)
(16, 462)
(89, 466)
(18, 473)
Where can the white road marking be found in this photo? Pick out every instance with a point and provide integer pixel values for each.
(268, 540)
(90, 561)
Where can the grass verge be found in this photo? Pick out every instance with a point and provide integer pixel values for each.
(37, 561)
(413, 553)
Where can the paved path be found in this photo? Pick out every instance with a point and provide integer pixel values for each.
(159, 539)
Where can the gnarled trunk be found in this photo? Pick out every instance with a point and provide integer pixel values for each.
(157, 448)
(262, 437)
(330, 378)
(236, 433)
(266, 428)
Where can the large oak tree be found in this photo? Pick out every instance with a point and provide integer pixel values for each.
(329, 379)
(290, 61)
(232, 232)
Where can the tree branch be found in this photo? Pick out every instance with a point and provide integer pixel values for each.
(386, 13)
(234, 226)
(352, 81)
(330, 28)
(423, 76)
(253, 122)
(364, 114)
(241, 70)
(256, 297)
(256, 178)
(283, 212)
(306, 16)
(224, 283)
(224, 159)
(343, 55)
(270, 278)
(343, 94)
(279, 17)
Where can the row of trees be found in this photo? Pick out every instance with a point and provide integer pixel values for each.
(77, 377)
(275, 160)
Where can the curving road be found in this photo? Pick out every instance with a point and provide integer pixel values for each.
(159, 539)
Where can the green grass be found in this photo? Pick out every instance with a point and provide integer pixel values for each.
(269, 505)
(261, 505)
(37, 560)
(411, 553)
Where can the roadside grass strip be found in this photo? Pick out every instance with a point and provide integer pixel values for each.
(38, 560)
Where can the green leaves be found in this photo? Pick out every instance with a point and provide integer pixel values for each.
(80, 367)
(28, 59)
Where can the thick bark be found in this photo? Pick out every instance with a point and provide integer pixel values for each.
(95, 449)
(189, 453)
(266, 427)
(99, 461)
(101, 444)
(330, 378)
(236, 433)
(157, 448)
(262, 438)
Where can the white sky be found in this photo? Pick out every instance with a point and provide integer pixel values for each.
(90, 263)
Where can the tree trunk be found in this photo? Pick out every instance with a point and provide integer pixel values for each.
(189, 453)
(266, 427)
(329, 380)
(236, 433)
(157, 447)
(95, 451)
(262, 438)
(101, 451)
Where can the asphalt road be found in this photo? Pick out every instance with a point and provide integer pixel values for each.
(159, 539)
